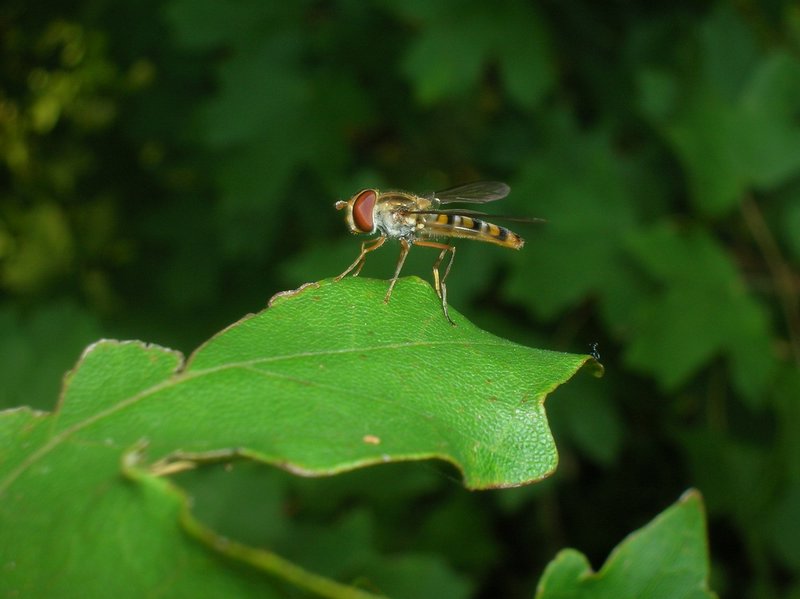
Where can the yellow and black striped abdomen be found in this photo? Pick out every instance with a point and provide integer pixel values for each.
(456, 225)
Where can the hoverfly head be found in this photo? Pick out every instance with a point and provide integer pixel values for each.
(360, 211)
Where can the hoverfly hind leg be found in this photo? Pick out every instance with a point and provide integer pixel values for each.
(442, 285)
(439, 281)
(444, 305)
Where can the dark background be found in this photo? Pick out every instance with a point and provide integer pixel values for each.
(168, 165)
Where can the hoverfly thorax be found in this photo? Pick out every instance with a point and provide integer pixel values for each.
(360, 211)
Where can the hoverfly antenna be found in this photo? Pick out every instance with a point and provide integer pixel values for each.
(340, 205)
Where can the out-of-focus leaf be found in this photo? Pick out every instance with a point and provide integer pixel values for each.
(706, 139)
(733, 473)
(447, 61)
(461, 529)
(579, 188)
(788, 409)
(700, 309)
(346, 551)
(232, 498)
(729, 52)
(790, 225)
(269, 508)
(770, 109)
(589, 419)
(330, 378)
(734, 127)
(242, 108)
(785, 527)
(525, 57)
(667, 558)
(43, 250)
(782, 529)
(33, 359)
(271, 118)
(241, 501)
(419, 577)
(456, 44)
(209, 24)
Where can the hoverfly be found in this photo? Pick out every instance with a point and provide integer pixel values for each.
(419, 220)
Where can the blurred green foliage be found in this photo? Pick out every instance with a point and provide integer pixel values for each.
(167, 165)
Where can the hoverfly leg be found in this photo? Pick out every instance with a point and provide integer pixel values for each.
(404, 247)
(439, 282)
(444, 305)
(366, 248)
(442, 285)
(361, 264)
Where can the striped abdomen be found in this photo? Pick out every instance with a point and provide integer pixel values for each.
(457, 225)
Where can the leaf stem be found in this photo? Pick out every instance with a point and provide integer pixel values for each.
(132, 467)
(782, 273)
(268, 561)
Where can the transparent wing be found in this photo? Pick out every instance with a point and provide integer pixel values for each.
(479, 192)
(477, 213)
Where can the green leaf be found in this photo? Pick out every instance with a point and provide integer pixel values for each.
(208, 24)
(770, 109)
(732, 123)
(772, 511)
(523, 51)
(446, 61)
(450, 54)
(701, 308)
(271, 115)
(339, 537)
(734, 473)
(667, 558)
(328, 379)
(789, 223)
(782, 523)
(784, 527)
(589, 419)
(420, 577)
(32, 359)
(580, 188)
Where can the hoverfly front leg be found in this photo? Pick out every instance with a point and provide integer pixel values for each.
(366, 248)
(404, 247)
(439, 283)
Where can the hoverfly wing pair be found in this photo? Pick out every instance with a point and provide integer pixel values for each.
(480, 192)
(419, 220)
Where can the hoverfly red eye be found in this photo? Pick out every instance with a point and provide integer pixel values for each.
(362, 210)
